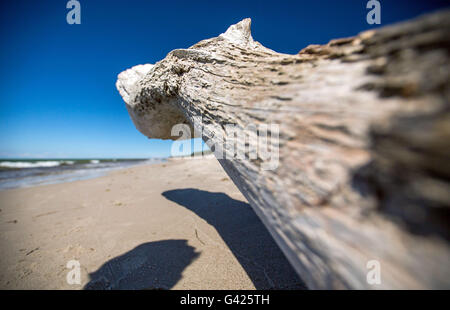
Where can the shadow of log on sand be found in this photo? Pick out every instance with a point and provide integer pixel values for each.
(244, 234)
(152, 265)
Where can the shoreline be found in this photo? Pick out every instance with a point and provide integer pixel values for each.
(25, 174)
(181, 224)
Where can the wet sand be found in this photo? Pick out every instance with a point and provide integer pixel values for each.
(176, 225)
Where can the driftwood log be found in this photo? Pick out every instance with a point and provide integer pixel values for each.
(364, 143)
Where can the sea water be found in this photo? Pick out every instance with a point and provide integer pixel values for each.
(16, 173)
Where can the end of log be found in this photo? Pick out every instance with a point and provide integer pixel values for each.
(363, 168)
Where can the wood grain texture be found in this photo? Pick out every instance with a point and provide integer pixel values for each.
(364, 145)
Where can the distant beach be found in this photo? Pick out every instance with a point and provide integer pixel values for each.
(18, 173)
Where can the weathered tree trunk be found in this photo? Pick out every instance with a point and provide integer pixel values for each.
(364, 143)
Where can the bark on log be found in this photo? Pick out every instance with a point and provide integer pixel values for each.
(364, 143)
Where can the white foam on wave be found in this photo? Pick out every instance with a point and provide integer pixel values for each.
(18, 178)
(95, 161)
(37, 164)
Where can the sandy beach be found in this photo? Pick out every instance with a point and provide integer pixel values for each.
(175, 225)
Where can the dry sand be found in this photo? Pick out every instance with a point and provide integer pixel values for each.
(176, 225)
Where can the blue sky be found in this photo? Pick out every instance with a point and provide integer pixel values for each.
(57, 81)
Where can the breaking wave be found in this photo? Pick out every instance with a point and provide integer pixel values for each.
(37, 164)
